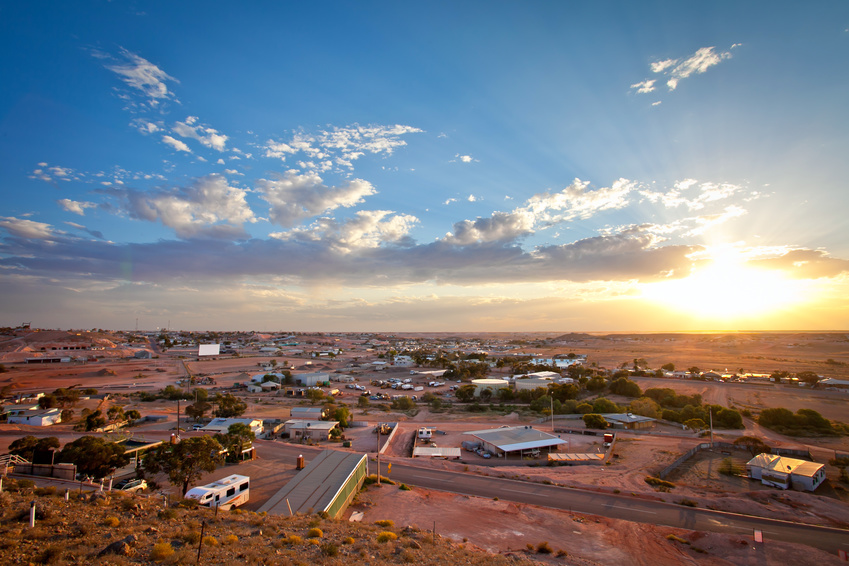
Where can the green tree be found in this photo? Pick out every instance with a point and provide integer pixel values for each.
(67, 415)
(184, 462)
(115, 413)
(342, 414)
(466, 393)
(238, 437)
(363, 402)
(486, 395)
(753, 444)
(584, 409)
(315, 395)
(229, 406)
(625, 387)
(695, 424)
(403, 403)
(94, 420)
(47, 401)
(28, 446)
(67, 397)
(668, 367)
(132, 416)
(645, 407)
(197, 410)
(593, 420)
(597, 383)
(808, 377)
(604, 405)
(94, 456)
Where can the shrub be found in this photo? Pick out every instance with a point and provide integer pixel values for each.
(210, 540)
(315, 533)
(293, 540)
(677, 539)
(231, 539)
(329, 549)
(161, 551)
(386, 536)
(543, 548)
(192, 537)
(660, 484)
(44, 491)
(405, 487)
(688, 503)
(385, 523)
(167, 514)
(348, 540)
(111, 522)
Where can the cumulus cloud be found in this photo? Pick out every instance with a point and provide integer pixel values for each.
(208, 208)
(695, 195)
(143, 76)
(803, 264)
(500, 227)
(367, 229)
(176, 144)
(294, 197)
(77, 207)
(23, 228)
(51, 174)
(464, 158)
(576, 202)
(207, 136)
(339, 146)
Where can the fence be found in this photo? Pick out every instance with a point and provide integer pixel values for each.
(727, 446)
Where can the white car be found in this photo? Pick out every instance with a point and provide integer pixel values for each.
(131, 485)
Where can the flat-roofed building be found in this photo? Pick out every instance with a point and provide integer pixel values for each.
(309, 430)
(516, 440)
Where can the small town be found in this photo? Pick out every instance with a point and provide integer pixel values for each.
(296, 424)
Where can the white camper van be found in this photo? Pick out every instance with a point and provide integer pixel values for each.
(225, 493)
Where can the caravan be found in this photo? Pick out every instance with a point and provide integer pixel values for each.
(225, 493)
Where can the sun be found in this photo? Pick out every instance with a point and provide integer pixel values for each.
(725, 288)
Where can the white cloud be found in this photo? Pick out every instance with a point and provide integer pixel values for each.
(220, 161)
(708, 221)
(233, 172)
(77, 207)
(680, 194)
(340, 146)
(208, 208)
(698, 63)
(500, 227)
(471, 198)
(294, 197)
(55, 173)
(23, 228)
(142, 75)
(207, 136)
(576, 202)
(176, 144)
(645, 86)
(368, 229)
(450, 200)
(464, 158)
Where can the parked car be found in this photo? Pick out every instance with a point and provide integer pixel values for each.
(131, 485)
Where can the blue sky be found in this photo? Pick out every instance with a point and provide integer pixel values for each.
(425, 166)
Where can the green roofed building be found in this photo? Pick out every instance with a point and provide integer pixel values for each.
(328, 484)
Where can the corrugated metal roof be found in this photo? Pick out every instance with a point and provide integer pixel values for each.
(785, 465)
(511, 439)
(316, 486)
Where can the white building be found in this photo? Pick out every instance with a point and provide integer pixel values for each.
(36, 417)
(309, 430)
(221, 425)
(403, 362)
(783, 472)
(311, 379)
(491, 384)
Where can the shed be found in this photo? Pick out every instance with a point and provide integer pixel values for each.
(312, 379)
(327, 485)
(629, 421)
(221, 425)
(308, 413)
(517, 440)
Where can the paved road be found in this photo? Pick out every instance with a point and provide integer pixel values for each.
(580, 501)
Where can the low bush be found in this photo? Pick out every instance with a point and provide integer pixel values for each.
(161, 551)
(315, 533)
(386, 536)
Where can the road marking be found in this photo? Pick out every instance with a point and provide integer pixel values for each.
(519, 491)
(433, 479)
(632, 509)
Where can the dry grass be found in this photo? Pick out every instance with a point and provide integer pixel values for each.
(76, 531)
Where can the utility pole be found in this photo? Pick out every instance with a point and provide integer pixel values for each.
(378, 453)
(710, 413)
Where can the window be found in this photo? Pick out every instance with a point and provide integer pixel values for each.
(244, 486)
(231, 492)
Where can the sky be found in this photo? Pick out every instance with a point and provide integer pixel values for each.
(425, 166)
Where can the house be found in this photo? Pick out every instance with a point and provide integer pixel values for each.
(403, 361)
(629, 421)
(309, 430)
(784, 472)
(222, 425)
(253, 388)
(270, 386)
(36, 417)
